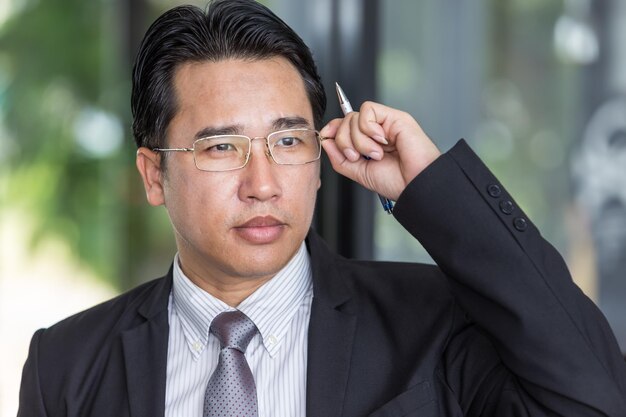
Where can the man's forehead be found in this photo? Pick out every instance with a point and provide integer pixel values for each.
(231, 78)
(232, 96)
(234, 68)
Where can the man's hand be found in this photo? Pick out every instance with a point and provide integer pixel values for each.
(398, 147)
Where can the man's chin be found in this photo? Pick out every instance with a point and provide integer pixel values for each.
(258, 271)
(262, 263)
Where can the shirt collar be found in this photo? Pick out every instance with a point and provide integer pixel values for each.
(271, 307)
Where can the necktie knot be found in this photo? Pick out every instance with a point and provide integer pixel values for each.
(233, 329)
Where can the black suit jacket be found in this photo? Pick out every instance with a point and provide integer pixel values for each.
(496, 329)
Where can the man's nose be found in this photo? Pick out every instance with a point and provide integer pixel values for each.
(259, 176)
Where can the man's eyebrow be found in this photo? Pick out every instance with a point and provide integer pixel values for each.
(218, 130)
(290, 123)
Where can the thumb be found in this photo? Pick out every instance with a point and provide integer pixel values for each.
(340, 163)
(330, 130)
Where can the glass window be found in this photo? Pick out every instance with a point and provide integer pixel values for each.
(524, 83)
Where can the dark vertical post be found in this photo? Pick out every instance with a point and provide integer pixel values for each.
(348, 54)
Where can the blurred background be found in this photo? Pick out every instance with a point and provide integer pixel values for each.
(537, 87)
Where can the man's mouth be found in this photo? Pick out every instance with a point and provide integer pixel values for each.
(261, 229)
(262, 221)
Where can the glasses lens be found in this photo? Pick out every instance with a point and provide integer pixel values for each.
(294, 146)
(221, 153)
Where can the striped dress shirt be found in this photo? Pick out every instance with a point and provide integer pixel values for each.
(277, 354)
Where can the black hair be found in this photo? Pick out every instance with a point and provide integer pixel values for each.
(227, 29)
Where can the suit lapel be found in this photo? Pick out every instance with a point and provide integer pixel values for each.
(331, 334)
(145, 355)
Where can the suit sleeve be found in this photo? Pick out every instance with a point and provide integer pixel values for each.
(557, 346)
(31, 401)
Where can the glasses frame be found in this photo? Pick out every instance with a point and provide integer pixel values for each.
(319, 137)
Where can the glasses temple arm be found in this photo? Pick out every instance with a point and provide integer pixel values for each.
(172, 149)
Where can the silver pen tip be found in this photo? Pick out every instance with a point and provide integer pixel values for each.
(340, 93)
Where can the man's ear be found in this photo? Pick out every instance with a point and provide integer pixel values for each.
(149, 166)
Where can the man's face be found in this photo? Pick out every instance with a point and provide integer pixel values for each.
(246, 223)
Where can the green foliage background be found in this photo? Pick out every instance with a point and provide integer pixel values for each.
(59, 58)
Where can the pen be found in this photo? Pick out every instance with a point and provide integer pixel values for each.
(346, 108)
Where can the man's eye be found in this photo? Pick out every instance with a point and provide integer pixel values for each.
(222, 147)
(288, 142)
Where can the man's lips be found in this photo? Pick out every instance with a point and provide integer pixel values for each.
(261, 229)
(261, 221)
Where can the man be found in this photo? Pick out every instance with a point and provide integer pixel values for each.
(225, 104)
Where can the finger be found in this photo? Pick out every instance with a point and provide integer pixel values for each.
(330, 130)
(363, 144)
(339, 162)
(371, 120)
(343, 139)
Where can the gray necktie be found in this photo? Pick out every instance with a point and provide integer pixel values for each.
(231, 390)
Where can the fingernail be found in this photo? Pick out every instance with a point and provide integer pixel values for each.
(376, 155)
(351, 154)
(381, 139)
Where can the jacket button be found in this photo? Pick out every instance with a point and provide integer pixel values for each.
(494, 190)
(520, 224)
(507, 207)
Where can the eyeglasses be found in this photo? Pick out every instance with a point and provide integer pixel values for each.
(230, 152)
